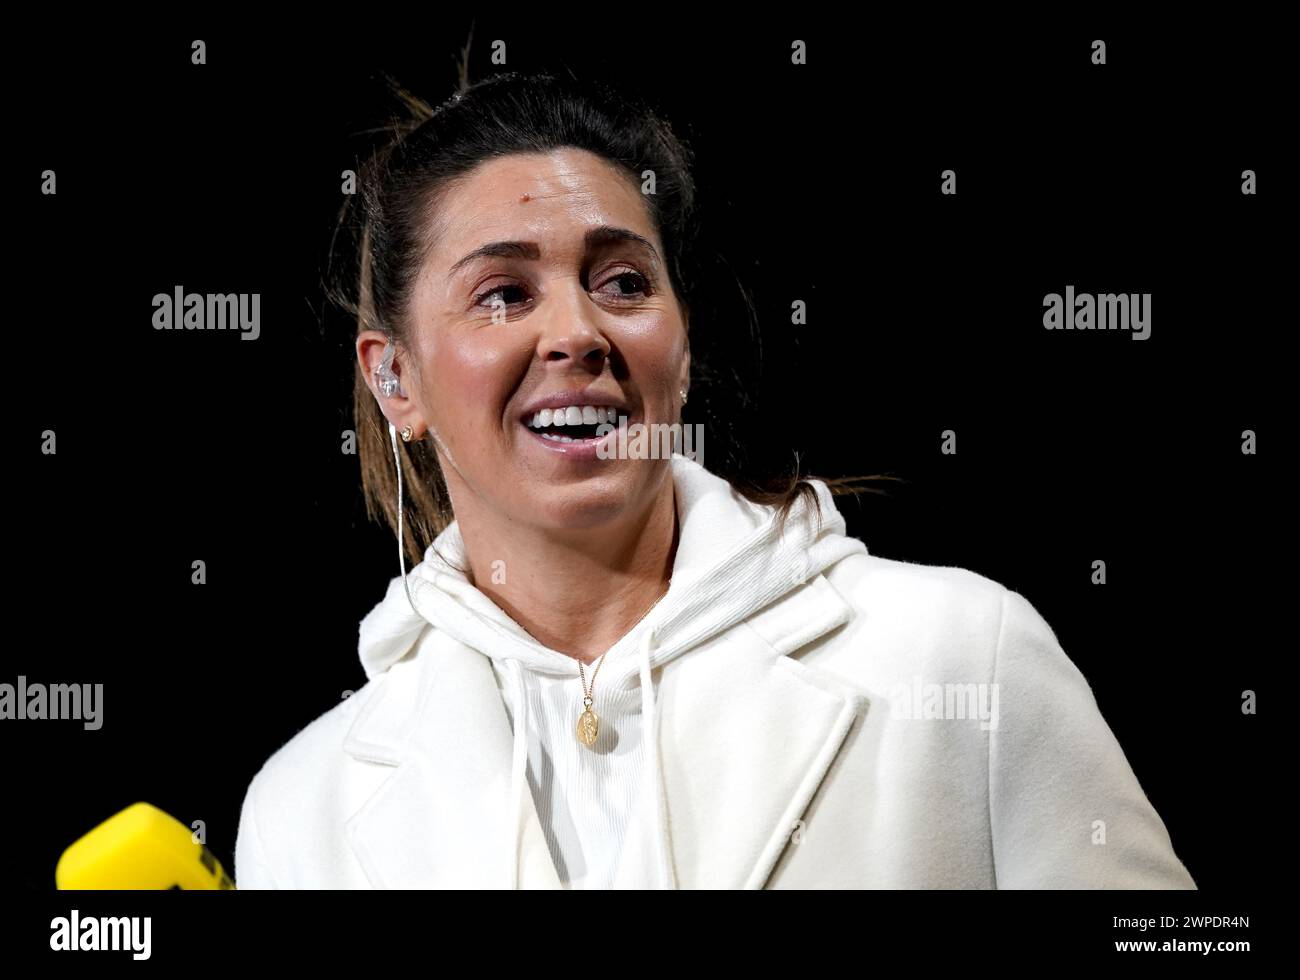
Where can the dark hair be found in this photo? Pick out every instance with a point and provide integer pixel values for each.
(388, 230)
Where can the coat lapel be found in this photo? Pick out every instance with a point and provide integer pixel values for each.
(746, 736)
(440, 819)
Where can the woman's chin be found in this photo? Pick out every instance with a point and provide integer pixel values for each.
(582, 503)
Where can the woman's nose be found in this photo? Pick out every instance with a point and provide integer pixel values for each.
(570, 334)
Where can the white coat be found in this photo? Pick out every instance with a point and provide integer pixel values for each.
(803, 719)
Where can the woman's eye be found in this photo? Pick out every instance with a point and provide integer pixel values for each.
(627, 284)
(505, 291)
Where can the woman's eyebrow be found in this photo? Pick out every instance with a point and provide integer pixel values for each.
(603, 235)
(607, 235)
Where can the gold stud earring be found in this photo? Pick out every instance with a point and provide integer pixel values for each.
(407, 432)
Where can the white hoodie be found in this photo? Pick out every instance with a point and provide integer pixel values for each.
(732, 560)
(776, 711)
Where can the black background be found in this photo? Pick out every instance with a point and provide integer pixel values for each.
(819, 183)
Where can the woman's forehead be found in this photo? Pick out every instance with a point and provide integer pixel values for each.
(552, 199)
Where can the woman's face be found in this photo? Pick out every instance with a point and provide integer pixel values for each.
(545, 290)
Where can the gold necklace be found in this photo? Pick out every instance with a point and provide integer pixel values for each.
(589, 721)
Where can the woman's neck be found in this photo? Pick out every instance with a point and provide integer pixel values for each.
(577, 592)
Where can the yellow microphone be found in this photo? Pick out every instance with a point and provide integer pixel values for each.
(141, 847)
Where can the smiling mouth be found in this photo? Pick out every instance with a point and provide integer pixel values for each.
(575, 423)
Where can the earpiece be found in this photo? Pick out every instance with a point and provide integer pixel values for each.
(389, 383)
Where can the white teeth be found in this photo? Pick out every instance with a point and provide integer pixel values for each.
(571, 415)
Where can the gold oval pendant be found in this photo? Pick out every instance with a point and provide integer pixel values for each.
(588, 726)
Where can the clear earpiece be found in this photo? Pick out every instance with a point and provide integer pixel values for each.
(389, 383)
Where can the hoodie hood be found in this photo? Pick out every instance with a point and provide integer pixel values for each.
(734, 558)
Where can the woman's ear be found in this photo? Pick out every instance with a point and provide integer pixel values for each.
(684, 380)
(381, 364)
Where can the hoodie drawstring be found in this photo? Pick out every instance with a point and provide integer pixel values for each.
(654, 785)
(518, 770)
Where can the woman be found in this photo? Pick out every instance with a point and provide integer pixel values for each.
(629, 672)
